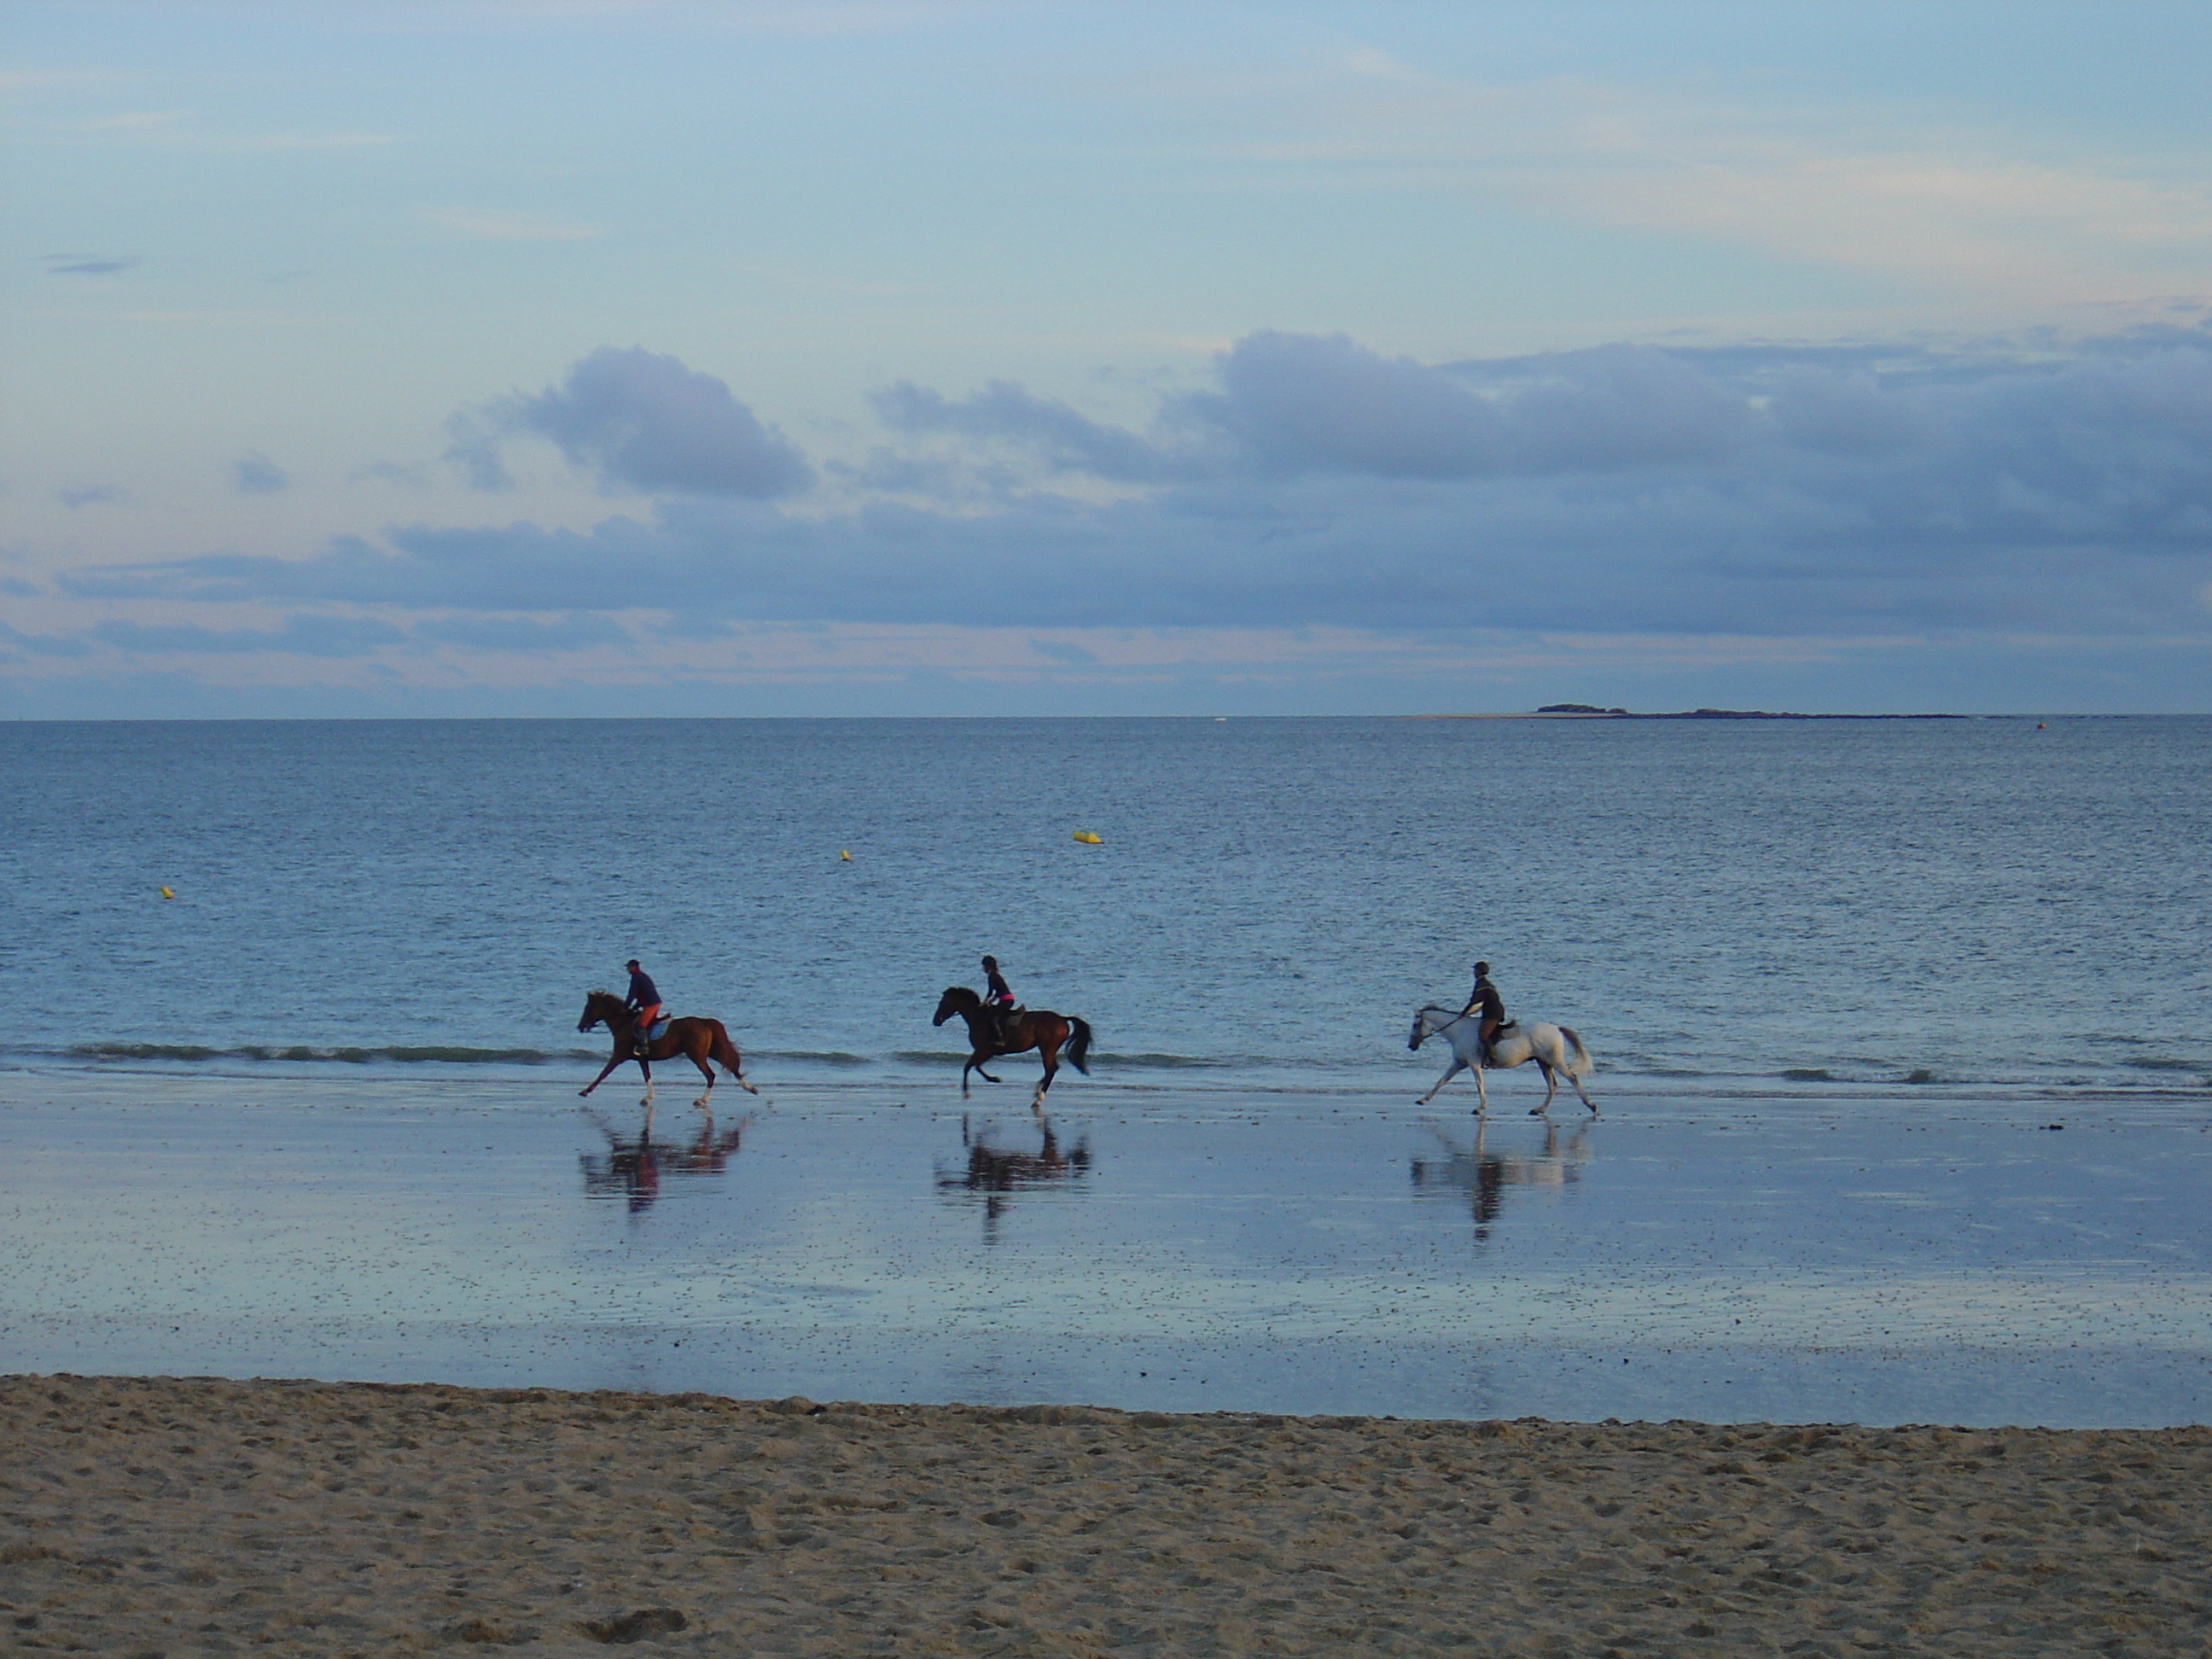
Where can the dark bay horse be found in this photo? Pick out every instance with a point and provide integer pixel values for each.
(1036, 1028)
(698, 1041)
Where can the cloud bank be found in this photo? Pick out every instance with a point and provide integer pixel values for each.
(1779, 491)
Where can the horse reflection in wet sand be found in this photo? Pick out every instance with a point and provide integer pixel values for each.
(998, 1174)
(1485, 1175)
(632, 1167)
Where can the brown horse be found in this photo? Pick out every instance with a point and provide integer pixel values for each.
(1037, 1028)
(698, 1041)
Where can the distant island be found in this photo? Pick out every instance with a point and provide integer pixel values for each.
(1590, 711)
(1591, 708)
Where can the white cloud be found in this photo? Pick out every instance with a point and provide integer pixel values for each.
(494, 225)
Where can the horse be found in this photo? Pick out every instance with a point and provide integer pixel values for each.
(1036, 1028)
(1557, 1049)
(698, 1041)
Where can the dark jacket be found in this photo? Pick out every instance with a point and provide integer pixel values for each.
(643, 993)
(1486, 1001)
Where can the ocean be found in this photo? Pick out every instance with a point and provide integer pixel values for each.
(1899, 1030)
(1921, 907)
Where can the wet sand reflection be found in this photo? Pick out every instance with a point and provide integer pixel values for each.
(995, 1174)
(1484, 1175)
(633, 1167)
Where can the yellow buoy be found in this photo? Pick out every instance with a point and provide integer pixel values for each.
(165, 893)
(1090, 840)
(844, 855)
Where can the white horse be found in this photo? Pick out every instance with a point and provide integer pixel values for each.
(1558, 1051)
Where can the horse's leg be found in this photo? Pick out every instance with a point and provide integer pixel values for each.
(1551, 1087)
(735, 1062)
(619, 1058)
(1049, 1052)
(1585, 1093)
(1450, 1072)
(1481, 1094)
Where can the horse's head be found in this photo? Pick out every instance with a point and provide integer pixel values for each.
(598, 1006)
(957, 999)
(1422, 1028)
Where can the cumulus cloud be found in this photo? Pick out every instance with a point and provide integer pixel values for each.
(1056, 433)
(1778, 492)
(644, 425)
(1301, 403)
(257, 474)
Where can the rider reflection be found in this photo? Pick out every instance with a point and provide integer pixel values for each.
(633, 1167)
(1484, 1175)
(996, 1174)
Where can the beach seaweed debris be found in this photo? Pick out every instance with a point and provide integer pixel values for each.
(635, 1626)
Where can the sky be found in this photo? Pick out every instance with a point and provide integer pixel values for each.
(624, 357)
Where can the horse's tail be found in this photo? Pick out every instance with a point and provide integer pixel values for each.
(1582, 1064)
(1078, 1044)
(724, 1052)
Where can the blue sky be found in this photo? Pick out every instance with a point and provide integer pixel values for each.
(499, 357)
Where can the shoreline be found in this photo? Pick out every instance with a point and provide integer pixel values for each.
(194, 1517)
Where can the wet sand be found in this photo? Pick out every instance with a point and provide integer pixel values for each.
(202, 1517)
(1860, 1260)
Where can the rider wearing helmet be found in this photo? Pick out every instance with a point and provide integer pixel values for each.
(1485, 997)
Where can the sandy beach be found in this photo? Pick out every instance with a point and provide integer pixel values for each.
(153, 1515)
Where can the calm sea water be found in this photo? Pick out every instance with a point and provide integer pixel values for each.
(1927, 906)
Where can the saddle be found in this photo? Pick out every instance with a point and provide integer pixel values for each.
(659, 1029)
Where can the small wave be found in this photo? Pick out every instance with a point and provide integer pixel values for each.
(2162, 1063)
(813, 1056)
(1179, 1062)
(439, 1053)
(1141, 1062)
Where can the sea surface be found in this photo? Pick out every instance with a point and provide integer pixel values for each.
(1901, 1035)
(1918, 905)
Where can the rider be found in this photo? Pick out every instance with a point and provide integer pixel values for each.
(645, 1000)
(998, 997)
(1485, 996)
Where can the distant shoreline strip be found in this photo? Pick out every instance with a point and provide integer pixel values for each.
(1583, 711)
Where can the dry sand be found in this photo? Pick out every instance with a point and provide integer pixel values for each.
(183, 1517)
